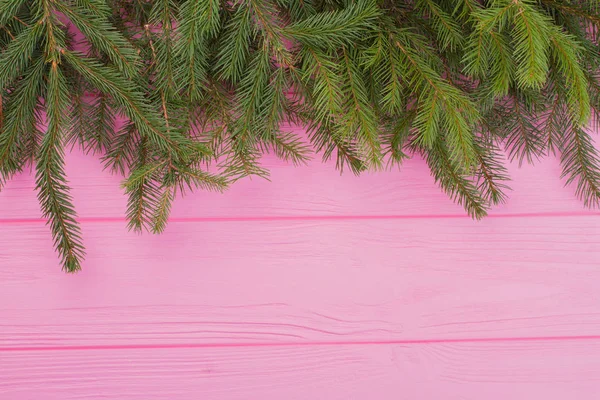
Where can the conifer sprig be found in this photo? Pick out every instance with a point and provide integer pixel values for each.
(373, 82)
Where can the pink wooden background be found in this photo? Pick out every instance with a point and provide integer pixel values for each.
(312, 286)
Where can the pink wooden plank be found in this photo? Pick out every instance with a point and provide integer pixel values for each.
(312, 190)
(551, 370)
(284, 290)
(310, 282)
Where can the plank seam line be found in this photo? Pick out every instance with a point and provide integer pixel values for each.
(298, 344)
(15, 221)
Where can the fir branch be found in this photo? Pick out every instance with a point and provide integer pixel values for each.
(242, 161)
(18, 54)
(453, 181)
(335, 29)
(20, 116)
(101, 8)
(133, 104)
(235, 48)
(502, 68)
(531, 34)
(9, 10)
(192, 178)
(491, 174)
(581, 165)
(437, 95)
(275, 104)
(217, 121)
(251, 111)
(162, 14)
(325, 139)
(162, 212)
(523, 138)
(264, 14)
(297, 9)
(321, 73)
(489, 56)
(565, 51)
(51, 183)
(287, 147)
(94, 124)
(397, 137)
(359, 120)
(81, 132)
(165, 88)
(584, 11)
(199, 21)
(384, 62)
(104, 37)
(176, 179)
(555, 121)
(447, 29)
(122, 152)
(143, 191)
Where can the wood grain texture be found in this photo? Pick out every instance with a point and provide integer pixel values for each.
(313, 281)
(458, 371)
(313, 190)
(311, 286)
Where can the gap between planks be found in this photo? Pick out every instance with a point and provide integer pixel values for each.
(303, 344)
(15, 221)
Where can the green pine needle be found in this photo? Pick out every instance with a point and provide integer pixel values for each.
(581, 165)
(454, 181)
(51, 182)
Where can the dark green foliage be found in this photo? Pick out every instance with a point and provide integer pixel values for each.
(372, 81)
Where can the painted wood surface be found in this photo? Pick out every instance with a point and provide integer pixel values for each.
(311, 286)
